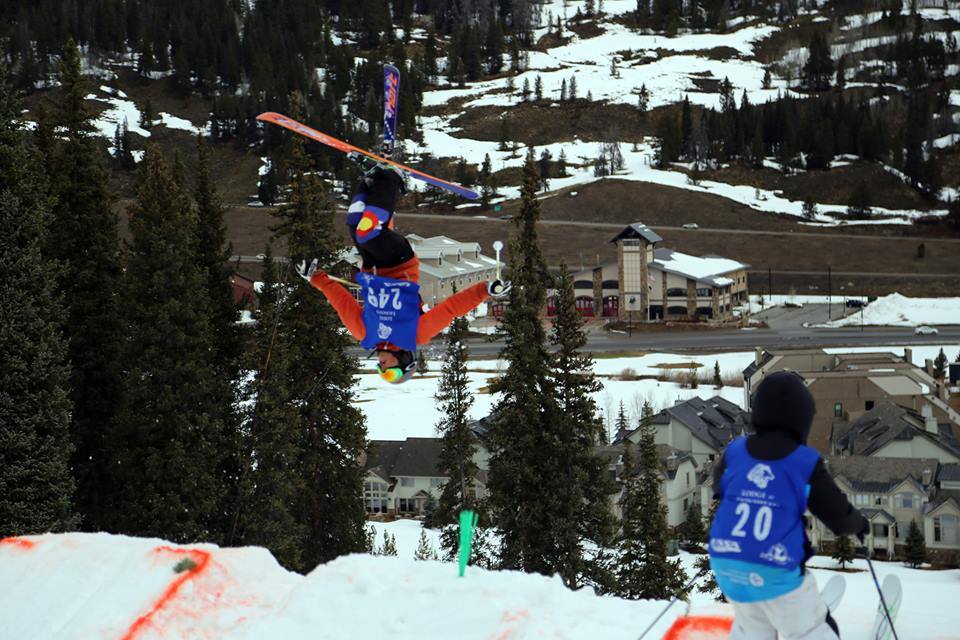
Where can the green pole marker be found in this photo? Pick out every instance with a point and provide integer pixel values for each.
(468, 520)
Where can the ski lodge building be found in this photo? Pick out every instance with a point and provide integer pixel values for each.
(649, 283)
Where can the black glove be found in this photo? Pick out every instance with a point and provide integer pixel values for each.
(306, 270)
(499, 288)
(864, 530)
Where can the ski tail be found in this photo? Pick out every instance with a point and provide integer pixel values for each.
(298, 127)
(391, 104)
(892, 595)
(833, 591)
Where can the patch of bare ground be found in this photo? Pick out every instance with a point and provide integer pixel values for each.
(833, 186)
(546, 122)
(585, 29)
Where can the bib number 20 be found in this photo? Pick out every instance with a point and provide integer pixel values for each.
(762, 522)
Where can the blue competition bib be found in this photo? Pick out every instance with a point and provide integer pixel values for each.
(391, 311)
(757, 538)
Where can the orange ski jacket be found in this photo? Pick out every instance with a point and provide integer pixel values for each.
(430, 324)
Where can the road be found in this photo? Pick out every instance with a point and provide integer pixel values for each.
(707, 341)
(739, 232)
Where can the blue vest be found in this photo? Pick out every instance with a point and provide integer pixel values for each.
(391, 311)
(757, 539)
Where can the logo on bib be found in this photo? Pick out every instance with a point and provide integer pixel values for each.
(722, 545)
(383, 331)
(761, 475)
(756, 579)
(777, 554)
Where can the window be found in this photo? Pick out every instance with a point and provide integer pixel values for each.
(688, 482)
(880, 501)
(946, 529)
(868, 405)
(406, 505)
(838, 410)
(881, 530)
(406, 482)
(905, 501)
(684, 505)
(676, 292)
(582, 284)
(375, 497)
(704, 292)
(437, 482)
(861, 499)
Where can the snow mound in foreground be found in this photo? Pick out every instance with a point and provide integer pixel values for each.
(896, 310)
(91, 586)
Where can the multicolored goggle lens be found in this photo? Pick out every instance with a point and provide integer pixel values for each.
(390, 374)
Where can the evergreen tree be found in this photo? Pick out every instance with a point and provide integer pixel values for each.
(270, 481)
(36, 486)
(83, 239)
(692, 528)
(168, 430)
(458, 443)
(621, 427)
(843, 551)
(538, 88)
(486, 182)
(709, 582)
(389, 547)
(523, 418)
(425, 550)
(329, 432)
(940, 365)
(584, 484)
(643, 569)
(668, 132)
(809, 208)
(572, 93)
(717, 378)
(819, 66)
(915, 547)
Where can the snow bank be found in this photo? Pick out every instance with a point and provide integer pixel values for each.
(896, 310)
(83, 586)
(89, 586)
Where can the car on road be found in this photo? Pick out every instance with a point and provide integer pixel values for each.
(691, 225)
(924, 330)
(855, 303)
(506, 217)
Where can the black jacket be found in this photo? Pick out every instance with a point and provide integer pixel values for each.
(826, 502)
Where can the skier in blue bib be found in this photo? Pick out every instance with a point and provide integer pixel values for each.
(758, 540)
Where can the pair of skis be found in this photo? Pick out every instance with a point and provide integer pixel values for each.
(391, 94)
(703, 627)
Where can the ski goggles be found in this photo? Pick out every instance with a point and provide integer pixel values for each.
(390, 374)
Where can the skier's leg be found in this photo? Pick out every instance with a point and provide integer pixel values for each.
(373, 205)
(750, 622)
(801, 614)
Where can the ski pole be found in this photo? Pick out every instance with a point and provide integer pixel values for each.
(497, 245)
(468, 520)
(883, 602)
(673, 601)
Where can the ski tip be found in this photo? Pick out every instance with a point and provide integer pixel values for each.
(267, 116)
(699, 628)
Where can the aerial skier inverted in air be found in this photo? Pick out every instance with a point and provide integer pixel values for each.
(391, 320)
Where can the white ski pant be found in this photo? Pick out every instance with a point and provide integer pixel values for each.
(798, 615)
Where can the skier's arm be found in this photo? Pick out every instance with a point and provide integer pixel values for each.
(351, 315)
(831, 506)
(461, 303)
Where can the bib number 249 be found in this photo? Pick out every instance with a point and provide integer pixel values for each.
(380, 299)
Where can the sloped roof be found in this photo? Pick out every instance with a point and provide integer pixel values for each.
(870, 514)
(670, 457)
(715, 421)
(709, 270)
(880, 475)
(941, 496)
(410, 457)
(639, 230)
(949, 472)
(888, 422)
(753, 367)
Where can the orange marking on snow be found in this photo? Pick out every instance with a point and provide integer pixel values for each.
(22, 543)
(509, 617)
(691, 627)
(201, 558)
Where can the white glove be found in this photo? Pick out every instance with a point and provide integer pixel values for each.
(306, 271)
(499, 288)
